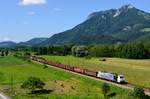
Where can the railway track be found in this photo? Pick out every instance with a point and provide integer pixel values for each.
(124, 86)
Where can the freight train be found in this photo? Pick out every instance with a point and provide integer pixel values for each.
(118, 78)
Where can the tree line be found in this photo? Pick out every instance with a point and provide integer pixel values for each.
(61, 50)
(130, 50)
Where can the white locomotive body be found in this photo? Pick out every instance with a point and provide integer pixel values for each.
(111, 77)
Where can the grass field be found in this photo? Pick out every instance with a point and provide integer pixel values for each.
(146, 30)
(135, 71)
(63, 85)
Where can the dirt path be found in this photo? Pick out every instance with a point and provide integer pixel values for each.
(2, 96)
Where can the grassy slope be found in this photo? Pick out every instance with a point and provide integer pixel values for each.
(83, 87)
(146, 30)
(135, 71)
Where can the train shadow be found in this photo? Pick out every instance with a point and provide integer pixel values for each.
(42, 91)
(124, 83)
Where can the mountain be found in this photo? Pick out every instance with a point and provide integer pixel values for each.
(32, 42)
(125, 24)
(7, 44)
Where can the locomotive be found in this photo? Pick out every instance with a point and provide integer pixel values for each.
(111, 76)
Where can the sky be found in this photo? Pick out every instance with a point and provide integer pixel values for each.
(21, 20)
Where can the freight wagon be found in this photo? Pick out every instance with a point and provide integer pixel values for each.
(79, 70)
(70, 68)
(90, 73)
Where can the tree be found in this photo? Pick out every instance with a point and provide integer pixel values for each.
(118, 50)
(139, 92)
(6, 52)
(42, 50)
(105, 90)
(2, 53)
(80, 51)
(33, 83)
(134, 51)
(102, 51)
(50, 50)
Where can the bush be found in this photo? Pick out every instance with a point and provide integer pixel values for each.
(80, 51)
(105, 90)
(45, 66)
(27, 54)
(139, 92)
(102, 59)
(33, 83)
(88, 57)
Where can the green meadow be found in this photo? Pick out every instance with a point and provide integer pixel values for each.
(146, 30)
(64, 85)
(135, 71)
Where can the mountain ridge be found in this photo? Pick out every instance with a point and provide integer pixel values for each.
(123, 24)
(31, 42)
(7, 44)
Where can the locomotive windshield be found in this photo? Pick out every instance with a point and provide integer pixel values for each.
(121, 76)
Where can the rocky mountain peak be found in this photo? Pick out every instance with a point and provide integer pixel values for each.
(116, 12)
(129, 6)
(124, 8)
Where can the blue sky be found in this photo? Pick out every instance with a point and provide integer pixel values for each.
(21, 20)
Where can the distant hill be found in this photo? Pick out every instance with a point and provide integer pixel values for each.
(108, 27)
(32, 42)
(7, 44)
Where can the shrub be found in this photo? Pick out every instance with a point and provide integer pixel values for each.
(33, 83)
(105, 90)
(102, 59)
(88, 57)
(139, 92)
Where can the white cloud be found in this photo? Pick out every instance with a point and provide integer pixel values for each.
(57, 9)
(32, 2)
(31, 13)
